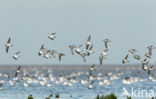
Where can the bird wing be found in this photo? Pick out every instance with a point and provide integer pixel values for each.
(16, 74)
(89, 38)
(80, 46)
(100, 59)
(71, 50)
(42, 47)
(93, 65)
(84, 59)
(87, 47)
(17, 53)
(9, 40)
(19, 67)
(126, 56)
(60, 57)
(106, 45)
(91, 47)
(7, 49)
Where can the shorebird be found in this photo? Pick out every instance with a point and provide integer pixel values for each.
(71, 48)
(106, 42)
(42, 50)
(52, 53)
(92, 68)
(90, 51)
(137, 57)
(104, 53)
(17, 71)
(150, 48)
(7, 75)
(88, 43)
(125, 59)
(46, 54)
(132, 51)
(150, 69)
(90, 86)
(52, 36)
(100, 59)
(144, 61)
(144, 64)
(103, 56)
(78, 50)
(148, 55)
(83, 55)
(127, 80)
(16, 55)
(8, 45)
(60, 55)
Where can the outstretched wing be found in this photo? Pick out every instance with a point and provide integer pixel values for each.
(7, 49)
(19, 67)
(89, 38)
(84, 59)
(93, 66)
(9, 40)
(71, 50)
(126, 56)
(105, 45)
(80, 46)
(42, 47)
(87, 47)
(91, 47)
(17, 53)
(60, 57)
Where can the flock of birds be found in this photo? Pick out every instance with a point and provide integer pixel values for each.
(22, 75)
(145, 62)
(74, 49)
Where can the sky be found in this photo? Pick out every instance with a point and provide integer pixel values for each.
(127, 23)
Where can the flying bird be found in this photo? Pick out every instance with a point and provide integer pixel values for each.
(137, 57)
(132, 51)
(52, 36)
(150, 69)
(16, 55)
(42, 50)
(17, 71)
(92, 68)
(144, 64)
(125, 59)
(106, 42)
(71, 48)
(148, 55)
(78, 50)
(8, 45)
(101, 59)
(52, 53)
(104, 53)
(46, 54)
(83, 55)
(60, 56)
(90, 50)
(88, 43)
